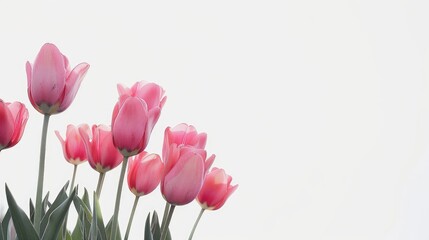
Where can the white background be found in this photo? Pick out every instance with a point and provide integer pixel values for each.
(318, 109)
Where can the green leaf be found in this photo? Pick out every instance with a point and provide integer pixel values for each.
(99, 218)
(93, 231)
(61, 198)
(148, 229)
(1, 233)
(80, 205)
(109, 230)
(56, 218)
(6, 221)
(155, 227)
(23, 226)
(79, 229)
(45, 204)
(68, 236)
(85, 199)
(31, 211)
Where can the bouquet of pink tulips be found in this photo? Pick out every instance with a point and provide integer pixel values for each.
(183, 170)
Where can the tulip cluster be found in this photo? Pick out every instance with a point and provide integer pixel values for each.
(183, 171)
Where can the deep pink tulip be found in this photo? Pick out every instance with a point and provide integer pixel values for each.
(144, 173)
(52, 86)
(135, 115)
(102, 155)
(216, 189)
(13, 118)
(73, 146)
(186, 164)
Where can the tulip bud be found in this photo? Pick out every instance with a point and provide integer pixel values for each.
(52, 86)
(13, 118)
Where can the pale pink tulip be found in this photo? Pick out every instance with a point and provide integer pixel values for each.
(52, 85)
(216, 189)
(102, 155)
(186, 164)
(144, 173)
(135, 115)
(73, 146)
(13, 118)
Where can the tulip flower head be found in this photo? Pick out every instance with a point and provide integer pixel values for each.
(144, 173)
(13, 118)
(73, 146)
(135, 115)
(103, 156)
(186, 164)
(52, 85)
(216, 189)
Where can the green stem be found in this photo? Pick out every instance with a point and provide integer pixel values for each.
(73, 178)
(196, 223)
(164, 217)
(100, 184)
(136, 200)
(167, 223)
(38, 209)
(118, 198)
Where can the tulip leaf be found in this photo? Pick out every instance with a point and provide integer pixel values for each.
(109, 230)
(1, 233)
(93, 231)
(56, 218)
(97, 215)
(147, 229)
(97, 230)
(23, 226)
(155, 227)
(81, 206)
(61, 197)
(79, 229)
(85, 199)
(6, 222)
(45, 204)
(31, 208)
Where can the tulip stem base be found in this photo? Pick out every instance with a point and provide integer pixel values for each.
(100, 184)
(118, 198)
(196, 223)
(136, 200)
(164, 217)
(38, 208)
(73, 179)
(164, 232)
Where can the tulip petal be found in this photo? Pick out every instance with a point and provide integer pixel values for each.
(72, 84)
(128, 128)
(20, 115)
(86, 135)
(182, 184)
(48, 76)
(63, 143)
(6, 125)
(151, 93)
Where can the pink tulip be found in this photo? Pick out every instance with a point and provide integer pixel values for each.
(52, 86)
(135, 115)
(73, 146)
(102, 154)
(13, 118)
(186, 164)
(183, 134)
(216, 189)
(144, 173)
